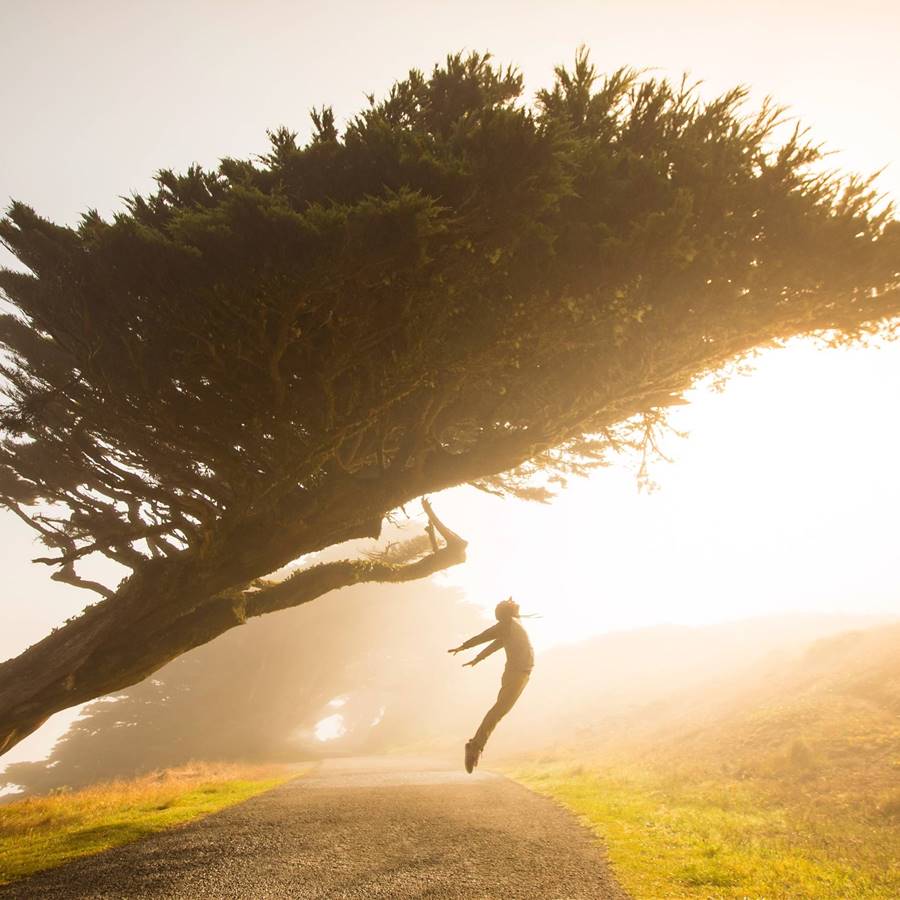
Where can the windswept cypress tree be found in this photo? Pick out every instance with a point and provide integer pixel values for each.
(260, 362)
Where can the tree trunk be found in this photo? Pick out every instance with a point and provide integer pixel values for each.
(155, 617)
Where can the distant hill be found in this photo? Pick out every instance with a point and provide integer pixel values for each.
(830, 719)
(639, 681)
(819, 718)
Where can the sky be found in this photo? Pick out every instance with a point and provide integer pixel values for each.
(784, 495)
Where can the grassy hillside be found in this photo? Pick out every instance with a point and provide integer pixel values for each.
(781, 781)
(611, 684)
(829, 726)
(41, 832)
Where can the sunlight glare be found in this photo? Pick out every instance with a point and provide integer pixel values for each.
(330, 728)
(781, 499)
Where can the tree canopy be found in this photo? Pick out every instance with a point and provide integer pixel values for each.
(258, 362)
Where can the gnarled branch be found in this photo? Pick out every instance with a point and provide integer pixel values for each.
(311, 583)
(89, 657)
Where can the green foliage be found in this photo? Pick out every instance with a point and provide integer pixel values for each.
(455, 286)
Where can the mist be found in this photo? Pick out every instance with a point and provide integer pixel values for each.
(368, 673)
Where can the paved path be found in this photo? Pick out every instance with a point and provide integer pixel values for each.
(356, 828)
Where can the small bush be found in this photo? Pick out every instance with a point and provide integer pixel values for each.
(801, 756)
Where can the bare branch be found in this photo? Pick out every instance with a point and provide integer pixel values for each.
(451, 537)
(67, 575)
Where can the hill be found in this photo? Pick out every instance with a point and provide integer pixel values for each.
(778, 779)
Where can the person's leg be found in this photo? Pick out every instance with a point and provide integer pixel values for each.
(511, 688)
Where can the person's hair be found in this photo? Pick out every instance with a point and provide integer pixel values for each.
(504, 609)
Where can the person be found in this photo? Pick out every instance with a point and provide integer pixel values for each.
(509, 634)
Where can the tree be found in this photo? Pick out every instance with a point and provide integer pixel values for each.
(256, 363)
(256, 693)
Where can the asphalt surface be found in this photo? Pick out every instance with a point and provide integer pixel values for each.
(356, 828)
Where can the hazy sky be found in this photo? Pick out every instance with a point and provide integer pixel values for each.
(783, 497)
(786, 494)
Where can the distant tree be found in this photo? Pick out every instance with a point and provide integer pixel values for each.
(259, 362)
(257, 693)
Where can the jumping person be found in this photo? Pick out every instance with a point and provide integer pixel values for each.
(509, 634)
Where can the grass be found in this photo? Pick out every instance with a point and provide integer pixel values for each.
(672, 837)
(41, 832)
(782, 783)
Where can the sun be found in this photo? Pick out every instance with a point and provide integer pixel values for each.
(780, 499)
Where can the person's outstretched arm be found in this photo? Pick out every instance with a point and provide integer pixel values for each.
(488, 634)
(491, 648)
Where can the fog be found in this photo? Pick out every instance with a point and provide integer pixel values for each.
(366, 671)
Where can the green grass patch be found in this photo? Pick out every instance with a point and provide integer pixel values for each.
(42, 832)
(670, 838)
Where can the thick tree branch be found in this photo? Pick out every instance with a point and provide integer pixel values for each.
(311, 583)
(94, 655)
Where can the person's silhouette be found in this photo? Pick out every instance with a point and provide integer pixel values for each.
(509, 634)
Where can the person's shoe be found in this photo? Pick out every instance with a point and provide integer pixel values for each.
(472, 754)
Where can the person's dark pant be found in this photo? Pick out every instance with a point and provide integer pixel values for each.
(511, 687)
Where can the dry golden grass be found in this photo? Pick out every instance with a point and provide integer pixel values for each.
(43, 831)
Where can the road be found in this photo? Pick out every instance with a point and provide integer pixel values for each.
(356, 828)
